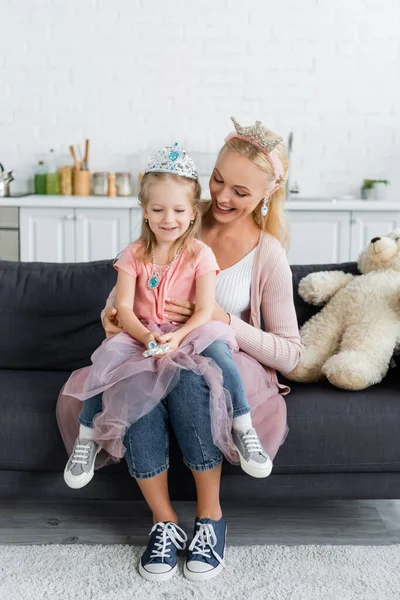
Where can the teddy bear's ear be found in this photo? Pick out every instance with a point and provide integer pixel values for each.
(394, 235)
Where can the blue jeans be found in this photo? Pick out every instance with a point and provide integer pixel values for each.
(187, 409)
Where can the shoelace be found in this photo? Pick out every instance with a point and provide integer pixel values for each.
(81, 454)
(252, 443)
(170, 532)
(204, 541)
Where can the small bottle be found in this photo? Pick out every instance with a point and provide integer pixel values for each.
(100, 183)
(123, 183)
(40, 178)
(112, 188)
(52, 180)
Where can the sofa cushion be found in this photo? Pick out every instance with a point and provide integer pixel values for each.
(330, 430)
(30, 438)
(341, 430)
(50, 313)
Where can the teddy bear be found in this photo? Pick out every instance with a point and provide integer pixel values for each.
(351, 341)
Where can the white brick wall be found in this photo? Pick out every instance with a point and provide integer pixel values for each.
(134, 74)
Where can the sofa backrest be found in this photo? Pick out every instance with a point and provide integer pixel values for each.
(50, 312)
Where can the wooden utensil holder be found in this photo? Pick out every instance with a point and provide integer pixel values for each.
(81, 183)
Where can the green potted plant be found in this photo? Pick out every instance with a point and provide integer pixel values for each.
(374, 189)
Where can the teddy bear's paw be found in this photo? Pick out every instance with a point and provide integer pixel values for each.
(351, 370)
(310, 290)
(306, 370)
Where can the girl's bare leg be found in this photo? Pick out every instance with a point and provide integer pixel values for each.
(156, 494)
(207, 486)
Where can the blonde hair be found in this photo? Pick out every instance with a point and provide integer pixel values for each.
(147, 237)
(274, 222)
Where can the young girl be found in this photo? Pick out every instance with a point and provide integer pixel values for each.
(167, 260)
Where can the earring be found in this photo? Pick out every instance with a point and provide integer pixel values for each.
(146, 221)
(191, 222)
(264, 208)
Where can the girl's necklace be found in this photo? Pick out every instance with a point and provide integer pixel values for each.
(155, 277)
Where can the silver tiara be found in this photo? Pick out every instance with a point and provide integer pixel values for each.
(172, 159)
(255, 134)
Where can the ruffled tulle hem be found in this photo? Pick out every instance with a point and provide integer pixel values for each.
(132, 386)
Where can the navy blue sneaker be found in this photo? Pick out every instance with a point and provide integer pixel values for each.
(159, 560)
(205, 558)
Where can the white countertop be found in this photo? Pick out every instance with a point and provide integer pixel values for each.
(70, 202)
(346, 205)
(301, 203)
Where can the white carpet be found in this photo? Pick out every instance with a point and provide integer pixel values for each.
(86, 572)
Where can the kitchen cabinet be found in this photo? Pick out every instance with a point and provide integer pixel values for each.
(71, 234)
(366, 225)
(319, 237)
(47, 235)
(70, 228)
(323, 236)
(100, 233)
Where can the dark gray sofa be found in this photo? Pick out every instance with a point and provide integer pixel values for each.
(341, 444)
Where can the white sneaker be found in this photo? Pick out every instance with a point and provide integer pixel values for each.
(253, 458)
(79, 469)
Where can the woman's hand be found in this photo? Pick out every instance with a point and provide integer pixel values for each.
(179, 311)
(221, 315)
(110, 322)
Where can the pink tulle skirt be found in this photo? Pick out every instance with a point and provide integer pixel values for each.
(133, 385)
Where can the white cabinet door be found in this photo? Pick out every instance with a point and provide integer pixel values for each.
(47, 234)
(136, 223)
(101, 233)
(318, 237)
(367, 225)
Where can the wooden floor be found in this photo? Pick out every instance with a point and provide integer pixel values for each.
(332, 522)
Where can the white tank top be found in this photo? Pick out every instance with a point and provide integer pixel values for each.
(233, 287)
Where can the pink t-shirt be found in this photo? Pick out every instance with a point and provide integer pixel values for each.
(178, 282)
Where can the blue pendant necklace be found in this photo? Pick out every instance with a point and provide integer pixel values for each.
(154, 280)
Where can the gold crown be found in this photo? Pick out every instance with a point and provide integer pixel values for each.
(256, 135)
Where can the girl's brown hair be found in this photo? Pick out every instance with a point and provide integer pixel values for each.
(147, 237)
(274, 222)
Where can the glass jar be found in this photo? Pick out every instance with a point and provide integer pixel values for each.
(100, 184)
(124, 184)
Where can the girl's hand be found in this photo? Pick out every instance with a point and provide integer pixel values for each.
(173, 339)
(110, 322)
(179, 311)
(148, 338)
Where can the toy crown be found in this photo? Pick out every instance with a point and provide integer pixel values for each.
(255, 135)
(174, 160)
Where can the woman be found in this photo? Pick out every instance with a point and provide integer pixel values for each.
(244, 226)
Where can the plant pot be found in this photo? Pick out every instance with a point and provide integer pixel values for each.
(368, 193)
(380, 190)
